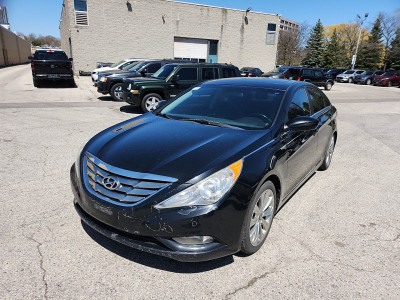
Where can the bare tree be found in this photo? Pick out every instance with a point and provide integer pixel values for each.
(389, 24)
(291, 44)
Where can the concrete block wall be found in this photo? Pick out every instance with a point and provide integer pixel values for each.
(148, 31)
(13, 49)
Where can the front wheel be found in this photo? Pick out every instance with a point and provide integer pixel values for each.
(389, 83)
(116, 92)
(350, 80)
(368, 82)
(328, 155)
(150, 102)
(328, 86)
(36, 83)
(259, 218)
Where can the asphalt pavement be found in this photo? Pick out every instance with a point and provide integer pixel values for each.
(337, 238)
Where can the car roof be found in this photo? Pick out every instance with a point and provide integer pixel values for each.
(279, 84)
(208, 65)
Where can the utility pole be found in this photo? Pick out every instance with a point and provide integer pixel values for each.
(360, 21)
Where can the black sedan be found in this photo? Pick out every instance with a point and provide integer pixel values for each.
(250, 72)
(203, 176)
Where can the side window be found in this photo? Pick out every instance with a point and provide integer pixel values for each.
(187, 74)
(307, 72)
(299, 105)
(228, 72)
(318, 74)
(316, 99)
(209, 73)
(152, 68)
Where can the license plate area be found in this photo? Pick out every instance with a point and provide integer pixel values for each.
(54, 76)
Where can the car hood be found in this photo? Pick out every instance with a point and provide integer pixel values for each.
(178, 149)
(121, 73)
(140, 80)
(380, 77)
(104, 69)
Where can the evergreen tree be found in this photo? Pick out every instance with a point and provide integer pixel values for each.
(315, 47)
(334, 55)
(370, 54)
(394, 54)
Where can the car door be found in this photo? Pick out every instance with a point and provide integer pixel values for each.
(307, 75)
(319, 79)
(183, 79)
(151, 69)
(321, 110)
(300, 146)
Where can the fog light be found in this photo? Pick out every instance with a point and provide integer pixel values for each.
(193, 240)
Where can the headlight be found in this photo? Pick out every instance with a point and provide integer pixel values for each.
(206, 191)
(78, 162)
(103, 79)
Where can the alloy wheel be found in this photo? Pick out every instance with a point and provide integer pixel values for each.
(329, 152)
(261, 219)
(151, 103)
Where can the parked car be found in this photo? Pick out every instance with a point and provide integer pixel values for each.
(388, 78)
(103, 64)
(116, 66)
(332, 73)
(110, 82)
(51, 64)
(348, 76)
(314, 76)
(250, 72)
(367, 77)
(278, 72)
(203, 176)
(171, 80)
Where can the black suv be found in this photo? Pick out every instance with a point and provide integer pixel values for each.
(312, 75)
(51, 64)
(110, 81)
(171, 80)
(332, 73)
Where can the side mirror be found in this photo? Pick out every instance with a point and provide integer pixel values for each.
(161, 103)
(70, 59)
(30, 57)
(303, 123)
(143, 72)
(175, 78)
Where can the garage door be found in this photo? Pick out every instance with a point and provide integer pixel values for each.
(190, 48)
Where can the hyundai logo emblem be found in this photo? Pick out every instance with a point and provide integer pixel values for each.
(110, 183)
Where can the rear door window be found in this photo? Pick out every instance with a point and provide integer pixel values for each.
(209, 73)
(318, 73)
(187, 74)
(307, 72)
(228, 72)
(152, 68)
(299, 106)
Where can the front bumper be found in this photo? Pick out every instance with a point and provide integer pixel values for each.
(141, 228)
(103, 87)
(342, 79)
(133, 99)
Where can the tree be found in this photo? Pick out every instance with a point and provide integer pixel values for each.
(394, 55)
(37, 43)
(315, 47)
(371, 51)
(390, 23)
(291, 45)
(334, 56)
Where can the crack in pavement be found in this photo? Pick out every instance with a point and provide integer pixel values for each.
(38, 245)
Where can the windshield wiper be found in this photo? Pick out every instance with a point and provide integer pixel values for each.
(208, 122)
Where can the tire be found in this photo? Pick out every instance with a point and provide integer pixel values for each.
(36, 83)
(350, 80)
(262, 207)
(328, 155)
(389, 84)
(150, 102)
(328, 86)
(114, 92)
(368, 82)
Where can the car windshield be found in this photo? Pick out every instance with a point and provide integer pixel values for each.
(51, 55)
(117, 64)
(367, 73)
(349, 72)
(389, 74)
(242, 107)
(137, 66)
(279, 70)
(246, 69)
(128, 66)
(164, 71)
(332, 71)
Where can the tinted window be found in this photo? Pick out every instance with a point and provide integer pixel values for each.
(152, 68)
(51, 55)
(187, 74)
(244, 107)
(228, 72)
(318, 74)
(291, 73)
(359, 72)
(316, 99)
(308, 72)
(389, 74)
(164, 72)
(299, 105)
(209, 73)
(349, 72)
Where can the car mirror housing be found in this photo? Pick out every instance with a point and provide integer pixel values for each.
(303, 123)
(161, 103)
(175, 78)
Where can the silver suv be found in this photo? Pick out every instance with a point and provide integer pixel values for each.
(348, 76)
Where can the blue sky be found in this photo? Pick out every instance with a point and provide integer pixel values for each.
(43, 16)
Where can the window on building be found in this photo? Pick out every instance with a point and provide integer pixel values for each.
(81, 15)
(271, 34)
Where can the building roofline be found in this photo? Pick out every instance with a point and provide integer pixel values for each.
(235, 9)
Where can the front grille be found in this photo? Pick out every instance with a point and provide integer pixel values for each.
(128, 187)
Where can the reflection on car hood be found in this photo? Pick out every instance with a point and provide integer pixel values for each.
(143, 80)
(172, 148)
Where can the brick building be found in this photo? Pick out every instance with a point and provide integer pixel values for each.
(110, 30)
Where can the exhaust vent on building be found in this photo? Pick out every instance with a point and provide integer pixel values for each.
(81, 15)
